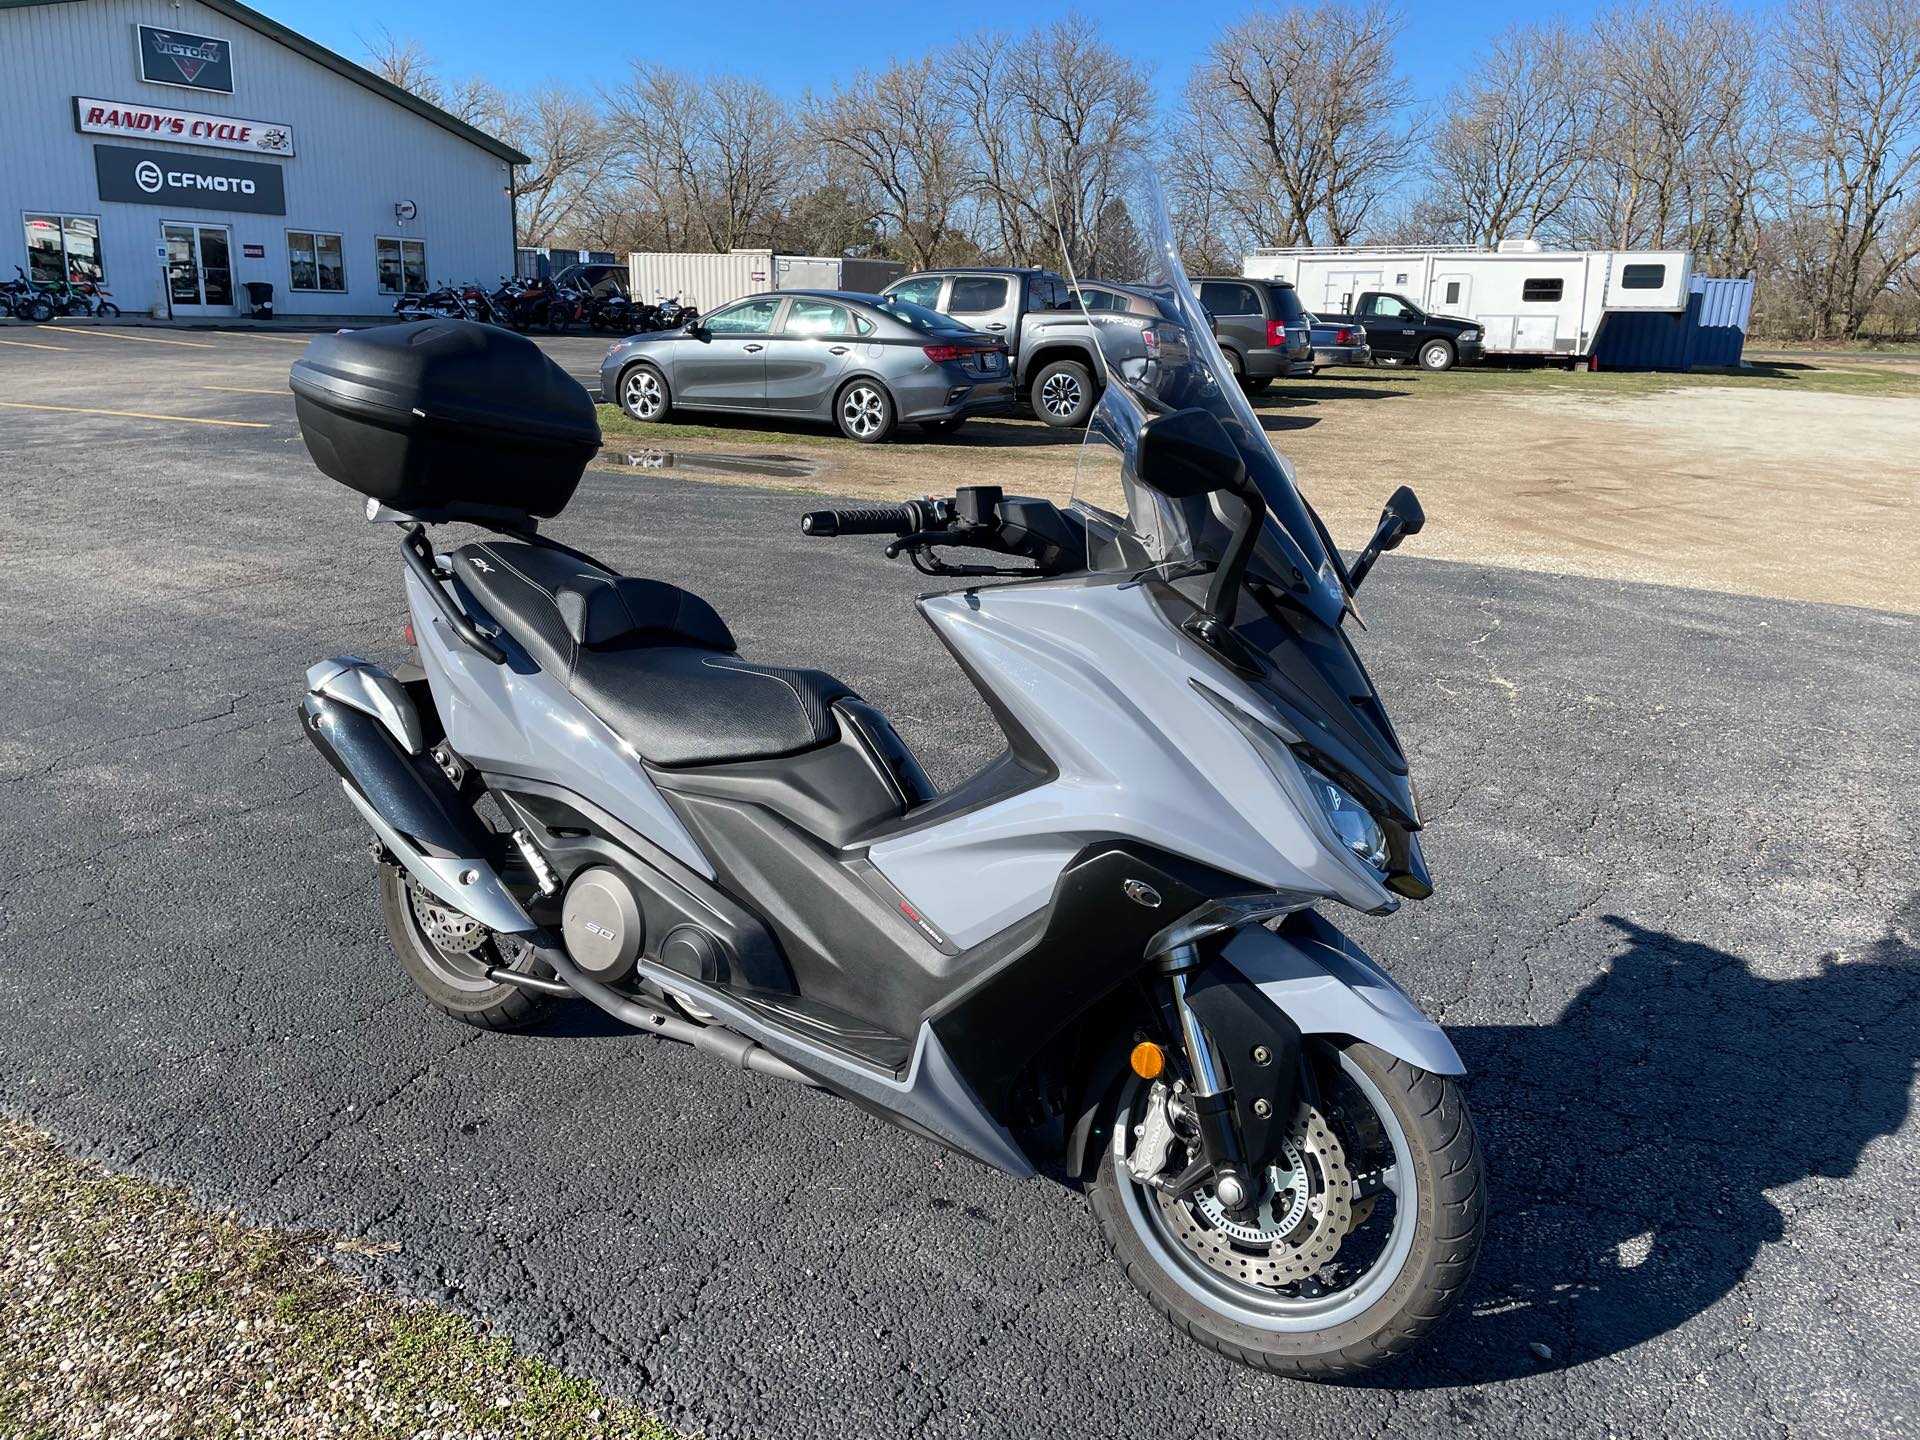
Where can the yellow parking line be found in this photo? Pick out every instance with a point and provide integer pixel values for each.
(244, 390)
(257, 335)
(143, 339)
(138, 415)
(29, 345)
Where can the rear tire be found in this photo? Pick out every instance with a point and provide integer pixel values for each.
(1063, 394)
(864, 411)
(1447, 1219)
(455, 983)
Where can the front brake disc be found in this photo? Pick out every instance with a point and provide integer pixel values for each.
(1302, 1215)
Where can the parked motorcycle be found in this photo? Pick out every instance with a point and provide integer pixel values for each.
(24, 300)
(1101, 954)
(522, 304)
(670, 314)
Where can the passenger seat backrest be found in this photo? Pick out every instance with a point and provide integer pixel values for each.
(605, 610)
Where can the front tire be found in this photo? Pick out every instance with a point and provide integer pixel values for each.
(644, 395)
(864, 412)
(454, 980)
(1314, 1329)
(1436, 355)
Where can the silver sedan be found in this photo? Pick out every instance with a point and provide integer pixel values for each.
(866, 363)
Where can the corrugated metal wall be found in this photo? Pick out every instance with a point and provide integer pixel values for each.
(356, 155)
(708, 281)
(1710, 332)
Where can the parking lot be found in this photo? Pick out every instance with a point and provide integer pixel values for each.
(1656, 661)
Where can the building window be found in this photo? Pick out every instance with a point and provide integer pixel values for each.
(402, 265)
(63, 247)
(1642, 277)
(316, 261)
(1542, 289)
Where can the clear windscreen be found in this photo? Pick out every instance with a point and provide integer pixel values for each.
(1160, 354)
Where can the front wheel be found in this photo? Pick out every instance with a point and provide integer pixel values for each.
(643, 394)
(107, 311)
(1436, 355)
(1362, 1239)
(40, 311)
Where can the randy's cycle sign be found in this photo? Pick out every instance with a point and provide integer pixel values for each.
(198, 182)
(176, 57)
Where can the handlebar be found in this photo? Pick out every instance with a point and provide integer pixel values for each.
(881, 520)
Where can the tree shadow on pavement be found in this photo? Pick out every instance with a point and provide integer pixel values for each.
(1631, 1142)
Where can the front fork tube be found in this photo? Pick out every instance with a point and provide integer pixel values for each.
(1222, 1152)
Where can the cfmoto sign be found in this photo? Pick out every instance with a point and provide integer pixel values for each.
(196, 182)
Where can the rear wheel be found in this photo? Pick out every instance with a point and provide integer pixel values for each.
(447, 955)
(1361, 1240)
(39, 310)
(864, 412)
(1063, 394)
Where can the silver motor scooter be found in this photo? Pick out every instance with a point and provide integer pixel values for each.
(1101, 953)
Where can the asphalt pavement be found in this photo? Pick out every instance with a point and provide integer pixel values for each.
(1674, 936)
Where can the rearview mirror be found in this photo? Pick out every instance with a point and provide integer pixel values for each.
(1189, 453)
(1400, 517)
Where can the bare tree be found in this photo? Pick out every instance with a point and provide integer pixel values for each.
(1297, 120)
(895, 137)
(1852, 68)
(712, 153)
(561, 131)
(1053, 122)
(1515, 144)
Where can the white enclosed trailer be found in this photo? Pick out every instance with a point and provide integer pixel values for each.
(1528, 300)
(712, 280)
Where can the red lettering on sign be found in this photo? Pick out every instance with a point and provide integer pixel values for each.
(93, 114)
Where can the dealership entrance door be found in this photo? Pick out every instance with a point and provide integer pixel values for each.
(199, 269)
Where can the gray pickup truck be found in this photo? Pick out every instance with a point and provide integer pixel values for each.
(1056, 368)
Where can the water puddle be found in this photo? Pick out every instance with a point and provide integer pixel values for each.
(702, 462)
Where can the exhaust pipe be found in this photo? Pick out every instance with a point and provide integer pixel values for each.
(415, 811)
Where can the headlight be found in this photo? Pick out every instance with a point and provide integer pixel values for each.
(1351, 822)
(1469, 335)
(1357, 828)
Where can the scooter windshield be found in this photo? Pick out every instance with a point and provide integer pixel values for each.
(1160, 355)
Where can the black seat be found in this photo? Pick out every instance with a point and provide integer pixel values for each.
(652, 660)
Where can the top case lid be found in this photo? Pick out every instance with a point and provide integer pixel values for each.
(453, 372)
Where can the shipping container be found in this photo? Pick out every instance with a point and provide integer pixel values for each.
(537, 262)
(1710, 332)
(712, 280)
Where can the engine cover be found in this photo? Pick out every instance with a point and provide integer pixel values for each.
(600, 921)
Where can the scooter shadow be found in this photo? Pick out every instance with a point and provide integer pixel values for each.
(1631, 1142)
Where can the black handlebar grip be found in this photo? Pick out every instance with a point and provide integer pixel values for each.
(883, 520)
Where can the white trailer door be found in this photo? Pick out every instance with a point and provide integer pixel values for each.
(1451, 293)
(1344, 288)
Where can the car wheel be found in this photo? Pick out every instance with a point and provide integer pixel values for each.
(943, 427)
(1436, 355)
(1063, 394)
(643, 393)
(864, 412)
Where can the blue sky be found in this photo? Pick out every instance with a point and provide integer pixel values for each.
(517, 44)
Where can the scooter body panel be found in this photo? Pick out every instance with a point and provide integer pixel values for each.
(514, 719)
(1106, 687)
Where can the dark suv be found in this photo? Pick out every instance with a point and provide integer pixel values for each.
(1261, 326)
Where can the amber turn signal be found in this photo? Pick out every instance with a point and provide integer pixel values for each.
(1148, 1060)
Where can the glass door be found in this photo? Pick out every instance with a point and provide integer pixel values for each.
(199, 269)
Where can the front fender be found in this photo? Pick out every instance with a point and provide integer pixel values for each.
(1327, 985)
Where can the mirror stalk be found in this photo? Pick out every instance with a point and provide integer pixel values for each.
(1401, 517)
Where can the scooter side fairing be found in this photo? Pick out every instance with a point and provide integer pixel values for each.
(515, 719)
(1101, 682)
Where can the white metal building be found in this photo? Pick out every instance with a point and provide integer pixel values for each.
(179, 149)
(1526, 299)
